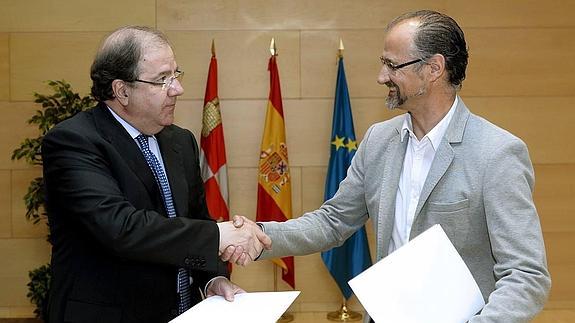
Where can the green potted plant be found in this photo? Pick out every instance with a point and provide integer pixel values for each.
(58, 106)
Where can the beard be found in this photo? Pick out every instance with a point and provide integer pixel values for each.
(395, 99)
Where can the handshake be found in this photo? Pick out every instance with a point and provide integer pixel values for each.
(241, 240)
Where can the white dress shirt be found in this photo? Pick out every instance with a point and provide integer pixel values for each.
(416, 165)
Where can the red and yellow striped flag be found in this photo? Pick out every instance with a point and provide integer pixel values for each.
(274, 187)
(213, 149)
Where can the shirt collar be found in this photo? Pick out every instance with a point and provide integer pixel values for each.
(129, 128)
(434, 135)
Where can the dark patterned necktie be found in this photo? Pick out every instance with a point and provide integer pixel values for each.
(162, 180)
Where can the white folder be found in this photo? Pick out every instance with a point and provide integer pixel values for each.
(424, 281)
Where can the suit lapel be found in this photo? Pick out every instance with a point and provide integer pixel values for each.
(394, 156)
(441, 162)
(173, 163)
(443, 157)
(118, 137)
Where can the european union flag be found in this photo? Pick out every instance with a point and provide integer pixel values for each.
(350, 259)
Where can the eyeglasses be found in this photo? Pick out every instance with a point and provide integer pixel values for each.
(165, 82)
(392, 67)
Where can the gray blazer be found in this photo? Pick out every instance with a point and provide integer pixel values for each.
(479, 188)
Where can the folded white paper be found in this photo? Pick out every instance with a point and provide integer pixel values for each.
(264, 307)
(424, 281)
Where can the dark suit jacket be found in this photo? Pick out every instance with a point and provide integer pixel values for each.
(115, 252)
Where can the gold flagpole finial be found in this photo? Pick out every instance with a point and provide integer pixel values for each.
(213, 48)
(273, 48)
(340, 49)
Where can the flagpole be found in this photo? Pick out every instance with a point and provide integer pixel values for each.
(273, 48)
(343, 314)
(286, 317)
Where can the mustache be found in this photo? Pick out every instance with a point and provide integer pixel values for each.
(390, 85)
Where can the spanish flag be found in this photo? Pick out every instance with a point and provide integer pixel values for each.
(274, 183)
(213, 149)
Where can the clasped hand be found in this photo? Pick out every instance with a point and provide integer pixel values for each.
(241, 240)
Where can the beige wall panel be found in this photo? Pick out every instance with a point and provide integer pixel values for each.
(21, 227)
(242, 122)
(554, 196)
(23, 255)
(242, 62)
(308, 127)
(559, 246)
(361, 59)
(22, 311)
(298, 14)
(38, 57)
(563, 284)
(243, 191)
(314, 281)
(18, 290)
(515, 13)
(256, 277)
(4, 66)
(296, 191)
(189, 115)
(520, 62)
(366, 112)
(561, 260)
(543, 123)
(562, 287)
(309, 122)
(313, 186)
(14, 128)
(243, 128)
(555, 316)
(5, 211)
(74, 15)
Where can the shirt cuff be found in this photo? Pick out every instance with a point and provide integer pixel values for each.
(264, 231)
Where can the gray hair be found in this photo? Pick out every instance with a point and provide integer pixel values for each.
(119, 56)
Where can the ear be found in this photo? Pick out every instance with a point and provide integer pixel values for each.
(121, 91)
(437, 66)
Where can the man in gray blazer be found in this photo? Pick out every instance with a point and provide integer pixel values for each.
(436, 164)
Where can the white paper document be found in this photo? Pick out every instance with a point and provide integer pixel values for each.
(264, 307)
(425, 281)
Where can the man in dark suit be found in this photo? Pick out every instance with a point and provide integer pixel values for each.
(132, 237)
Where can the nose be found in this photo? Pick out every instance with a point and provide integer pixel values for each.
(383, 76)
(176, 88)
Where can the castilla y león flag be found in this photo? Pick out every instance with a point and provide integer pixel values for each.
(213, 150)
(274, 183)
